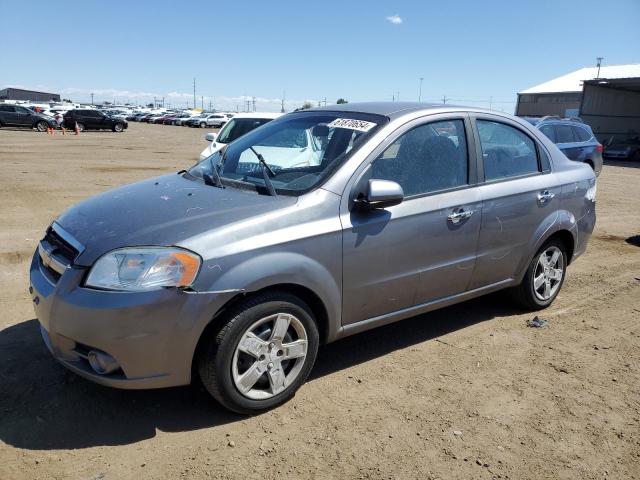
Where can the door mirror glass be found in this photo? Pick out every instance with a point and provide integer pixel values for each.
(381, 194)
(210, 137)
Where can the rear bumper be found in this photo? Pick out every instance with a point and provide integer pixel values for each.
(151, 335)
(584, 229)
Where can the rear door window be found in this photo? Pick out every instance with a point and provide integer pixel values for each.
(564, 134)
(7, 108)
(506, 151)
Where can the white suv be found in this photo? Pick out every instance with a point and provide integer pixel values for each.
(237, 126)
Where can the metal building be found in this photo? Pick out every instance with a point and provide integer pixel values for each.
(31, 95)
(608, 100)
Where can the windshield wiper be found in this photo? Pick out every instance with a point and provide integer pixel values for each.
(266, 171)
(213, 178)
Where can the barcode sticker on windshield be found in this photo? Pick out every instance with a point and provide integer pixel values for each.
(352, 124)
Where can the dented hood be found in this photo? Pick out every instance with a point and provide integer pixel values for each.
(161, 211)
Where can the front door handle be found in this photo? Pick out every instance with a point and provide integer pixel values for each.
(459, 214)
(545, 196)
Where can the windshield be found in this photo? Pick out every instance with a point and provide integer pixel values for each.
(301, 149)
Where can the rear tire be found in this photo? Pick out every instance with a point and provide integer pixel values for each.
(542, 282)
(42, 126)
(203, 125)
(276, 368)
(118, 127)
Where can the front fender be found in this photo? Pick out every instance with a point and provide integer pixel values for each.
(277, 268)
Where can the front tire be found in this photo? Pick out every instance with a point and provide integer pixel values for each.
(118, 128)
(544, 278)
(202, 124)
(262, 354)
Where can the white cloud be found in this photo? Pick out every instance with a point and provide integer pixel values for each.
(394, 19)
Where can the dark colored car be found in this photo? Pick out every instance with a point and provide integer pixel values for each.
(573, 137)
(93, 120)
(628, 149)
(18, 116)
(168, 119)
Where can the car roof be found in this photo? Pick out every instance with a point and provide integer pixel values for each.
(396, 109)
(388, 109)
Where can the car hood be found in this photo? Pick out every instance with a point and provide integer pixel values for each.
(160, 211)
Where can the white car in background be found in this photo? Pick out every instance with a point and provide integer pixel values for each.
(237, 126)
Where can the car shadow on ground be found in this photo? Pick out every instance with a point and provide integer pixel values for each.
(43, 406)
(620, 163)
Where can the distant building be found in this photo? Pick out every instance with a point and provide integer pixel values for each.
(609, 101)
(30, 95)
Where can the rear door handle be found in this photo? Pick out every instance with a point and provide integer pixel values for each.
(459, 214)
(545, 196)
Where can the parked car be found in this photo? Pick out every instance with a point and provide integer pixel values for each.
(573, 137)
(93, 120)
(628, 149)
(240, 124)
(182, 120)
(239, 268)
(18, 116)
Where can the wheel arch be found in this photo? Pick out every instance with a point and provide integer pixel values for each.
(307, 295)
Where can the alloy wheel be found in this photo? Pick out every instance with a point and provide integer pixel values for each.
(548, 273)
(269, 356)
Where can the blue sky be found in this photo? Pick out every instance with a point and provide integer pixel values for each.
(468, 50)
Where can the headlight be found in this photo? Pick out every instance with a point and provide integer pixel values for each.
(143, 269)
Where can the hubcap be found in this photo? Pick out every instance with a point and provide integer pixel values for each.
(269, 356)
(548, 273)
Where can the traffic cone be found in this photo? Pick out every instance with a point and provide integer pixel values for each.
(76, 129)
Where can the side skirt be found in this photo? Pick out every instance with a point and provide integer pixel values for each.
(368, 324)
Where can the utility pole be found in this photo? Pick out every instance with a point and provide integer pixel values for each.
(420, 88)
(162, 102)
(325, 101)
(599, 60)
(282, 102)
(202, 102)
(194, 92)
(444, 99)
(254, 104)
(92, 99)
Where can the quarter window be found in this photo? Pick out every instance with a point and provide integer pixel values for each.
(428, 158)
(580, 134)
(506, 151)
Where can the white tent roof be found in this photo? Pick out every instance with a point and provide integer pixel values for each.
(572, 82)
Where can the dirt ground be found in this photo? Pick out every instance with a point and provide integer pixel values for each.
(466, 392)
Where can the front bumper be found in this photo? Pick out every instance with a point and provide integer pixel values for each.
(152, 335)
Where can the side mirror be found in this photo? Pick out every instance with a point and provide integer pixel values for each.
(381, 194)
(210, 137)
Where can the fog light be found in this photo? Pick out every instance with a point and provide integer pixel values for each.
(102, 363)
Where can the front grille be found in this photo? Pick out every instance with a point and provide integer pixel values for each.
(58, 251)
(60, 247)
